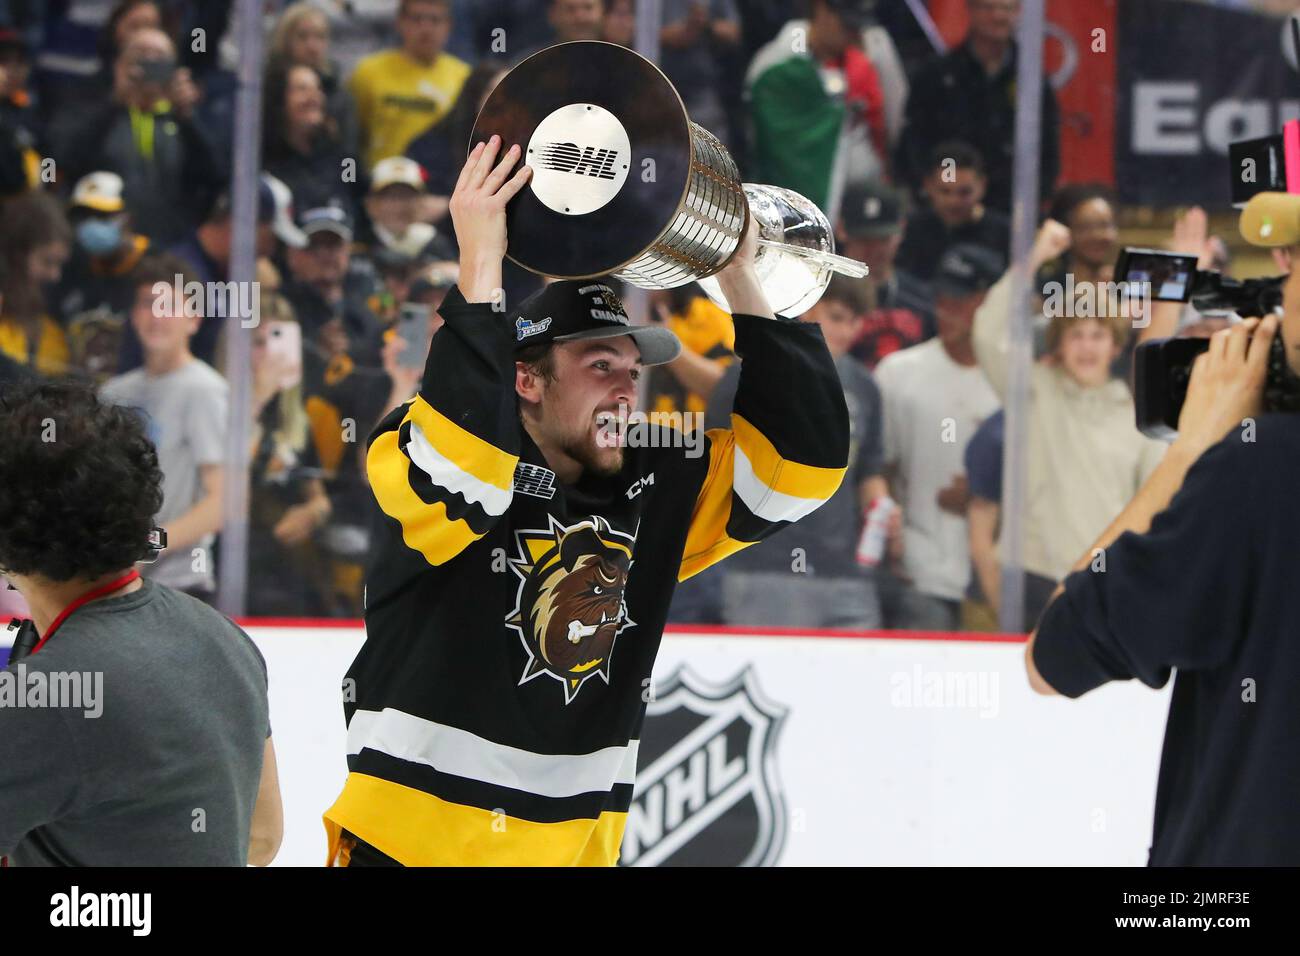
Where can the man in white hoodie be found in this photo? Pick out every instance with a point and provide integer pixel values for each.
(1086, 456)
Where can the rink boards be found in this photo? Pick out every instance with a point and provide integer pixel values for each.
(815, 750)
(796, 749)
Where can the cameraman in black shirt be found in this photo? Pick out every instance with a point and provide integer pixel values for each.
(1199, 573)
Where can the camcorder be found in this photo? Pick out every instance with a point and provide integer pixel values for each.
(1266, 187)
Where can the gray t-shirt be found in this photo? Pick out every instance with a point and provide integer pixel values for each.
(829, 536)
(167, 773)
(185, 414)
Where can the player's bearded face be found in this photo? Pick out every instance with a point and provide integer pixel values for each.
(595, 384)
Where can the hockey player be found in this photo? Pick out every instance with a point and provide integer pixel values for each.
(525, 555)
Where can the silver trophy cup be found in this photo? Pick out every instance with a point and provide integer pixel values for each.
(796, 251)
(624, 184)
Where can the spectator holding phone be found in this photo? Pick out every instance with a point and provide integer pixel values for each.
(288, 573)
(407, 347)
(145, 136)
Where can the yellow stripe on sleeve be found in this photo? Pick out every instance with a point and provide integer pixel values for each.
(780, 474)
(425, 527)
(473, 455)
(707, 541)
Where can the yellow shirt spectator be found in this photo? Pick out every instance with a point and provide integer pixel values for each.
(52, 355)
(705, 330)
(398, 98)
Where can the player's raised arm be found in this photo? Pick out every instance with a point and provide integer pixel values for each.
(441, 466)
(787, 449)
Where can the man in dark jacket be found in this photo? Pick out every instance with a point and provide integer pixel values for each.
(147, 138)
(1198, 574)
(970, 95)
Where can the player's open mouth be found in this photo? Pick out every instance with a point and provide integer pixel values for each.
(610, 429)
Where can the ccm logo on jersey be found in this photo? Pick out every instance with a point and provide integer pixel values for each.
(640, 485)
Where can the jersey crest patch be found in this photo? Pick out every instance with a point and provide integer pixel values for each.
(570, 605)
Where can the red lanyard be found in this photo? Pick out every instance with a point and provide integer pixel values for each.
(109, 588)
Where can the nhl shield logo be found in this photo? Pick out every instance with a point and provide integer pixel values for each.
(707, 791)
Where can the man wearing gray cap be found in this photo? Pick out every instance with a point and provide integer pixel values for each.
(872, 219)
(527, 544)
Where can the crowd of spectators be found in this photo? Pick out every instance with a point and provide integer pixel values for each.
(116, 125)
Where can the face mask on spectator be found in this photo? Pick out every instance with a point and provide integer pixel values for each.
(99, 237)
(410, 243)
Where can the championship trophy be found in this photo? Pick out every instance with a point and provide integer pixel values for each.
(624, 184)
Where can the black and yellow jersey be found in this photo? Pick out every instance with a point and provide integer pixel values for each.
(512, 621)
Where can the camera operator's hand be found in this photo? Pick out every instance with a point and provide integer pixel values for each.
(1051, 242)
(1227, 383)
(478, 213)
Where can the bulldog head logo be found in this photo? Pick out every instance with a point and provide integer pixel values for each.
(571, 605)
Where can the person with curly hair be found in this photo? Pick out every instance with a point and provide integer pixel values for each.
(136, 732)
